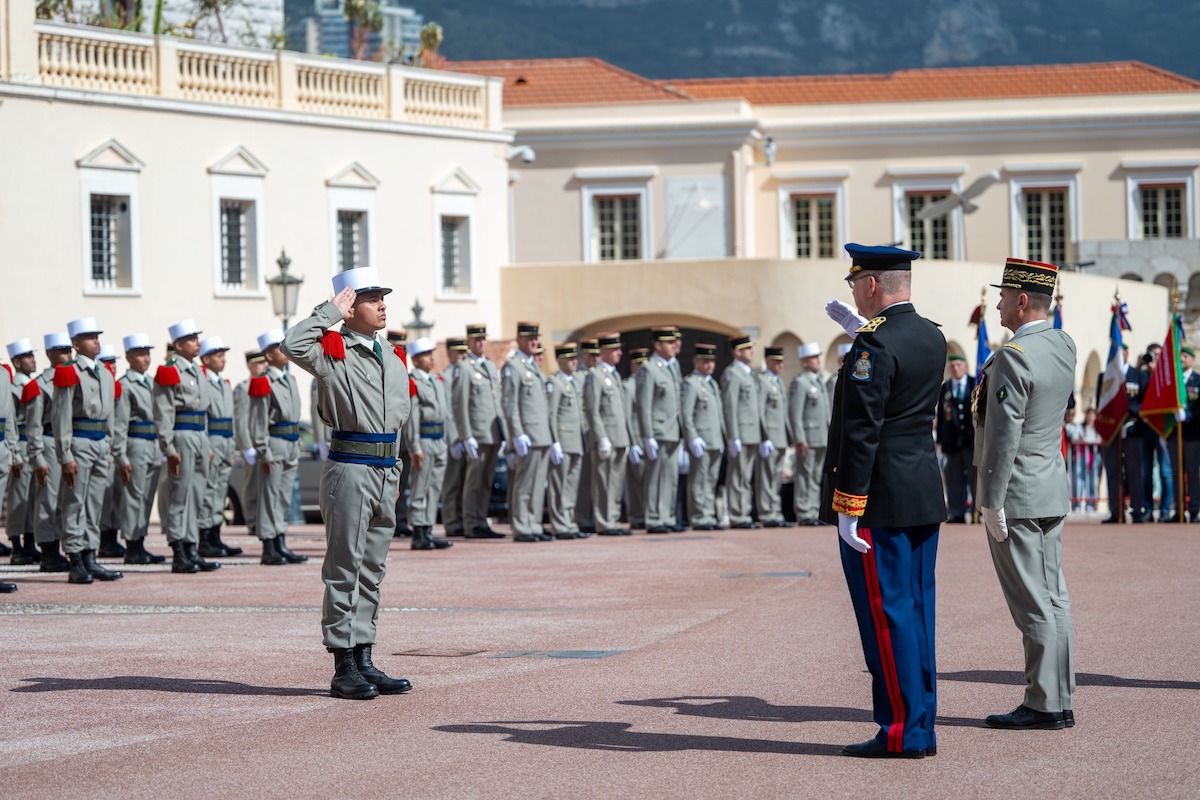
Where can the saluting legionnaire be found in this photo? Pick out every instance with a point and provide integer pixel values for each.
(808, 422)
(180, 416)
(256, 365)
(743, 426)
(589, 356)
(220, 440)
(135, 449)
(110, 514)
(364, 398)
(883, 489)
(704, 431)
(43, 456)
(635, 470)
(658, 417)
(274, 429)
(84, 392)
(831, 382)
(1023, 492)
(566, 453)
(772, 450)
(398, 339)
(605, 406)
(425, 439)
(19, 470)
(955, 432)
(482, 428)
(456, 466)
(523, 397)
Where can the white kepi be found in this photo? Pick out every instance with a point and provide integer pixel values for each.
(181, 329)
(422, 345)
(21, 347)
(82, 327)
(363, 279)
(213, 344)
(270, 339)
(56, 341)
(137, 341)
(809, 349)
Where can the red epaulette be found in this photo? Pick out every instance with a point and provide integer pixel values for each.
(204, 370)
(334, 345)
(260, 386)
(1064, 441)
(412, 388)
(440, 378)
(112, 370)
(167, 375)
(30, 391)
(117, 390)
(66, 375)
(9, 368)
(403, 356)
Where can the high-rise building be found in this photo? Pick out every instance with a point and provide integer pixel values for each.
(320, 26)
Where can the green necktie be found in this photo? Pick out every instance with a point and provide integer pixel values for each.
(378, 350)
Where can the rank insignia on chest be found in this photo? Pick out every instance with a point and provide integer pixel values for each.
(1001, 394)
(864, 366)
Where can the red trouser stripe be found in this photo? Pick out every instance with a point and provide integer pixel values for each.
(884, 645)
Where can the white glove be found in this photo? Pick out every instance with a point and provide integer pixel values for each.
(1181, 415)
(456, 450)
(848, 530)
(249, 455)
(683, 461)
(522, 445)
(323, 449)
(697, 447)
(765, 448)
(604, 449)
(996, 524)
(472, 446)
(634, 454)
(735, 447)
(844, 315)
(556, 453)
(511, 460)
(503, 449)
(652, 448)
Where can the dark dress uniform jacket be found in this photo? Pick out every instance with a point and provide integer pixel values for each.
(881, 438)
(955, 426)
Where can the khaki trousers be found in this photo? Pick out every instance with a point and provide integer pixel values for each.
(608, 481)
(183, 494)
(47, 522)
(702, 488)
(564, 489)
(806, 484)
(583, 500)
(769, 476)
(662, 485)
(452, 494)
(275, 490)
(136, 496)
(739, 480)
(20, 498)
(212, 506)
(529, 492)
(477, 487)
(425, 484)
(82, 502)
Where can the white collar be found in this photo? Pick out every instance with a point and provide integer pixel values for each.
(1029, 325)
(369, 341)
(84, 361)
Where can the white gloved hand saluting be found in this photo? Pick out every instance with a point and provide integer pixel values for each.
(848, 530)
(522, 445)
(472, 446)
(765, 448)
(697, 447)
(996, 524)
(846, 316)
(556, 454)
(735, 447)
(652, 448)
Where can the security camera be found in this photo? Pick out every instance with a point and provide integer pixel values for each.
(526, 153)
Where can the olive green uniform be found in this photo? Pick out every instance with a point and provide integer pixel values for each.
(274, 429)
(426, 433)
(83, 406)
(180, 413)
(134, 446)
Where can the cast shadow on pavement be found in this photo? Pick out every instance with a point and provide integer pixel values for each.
(1015, 678)
(617, 736)
(147, 683)
(755, 709)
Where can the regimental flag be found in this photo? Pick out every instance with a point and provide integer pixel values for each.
(1166, 393)
(982, 351)
(1058, 312)
(1113, 404)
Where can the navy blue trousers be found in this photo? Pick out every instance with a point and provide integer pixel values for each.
(892, 588)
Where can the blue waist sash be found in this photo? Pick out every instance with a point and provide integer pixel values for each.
(220, 426)
(86, 428)
(288, 431)
(367, 449)
(189, 420)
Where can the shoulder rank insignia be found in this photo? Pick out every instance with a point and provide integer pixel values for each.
(872, 325)
(1015, 346)
(1002, 394)
(864, 365)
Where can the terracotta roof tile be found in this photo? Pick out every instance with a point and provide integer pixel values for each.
(1121, 77)
(568, 81)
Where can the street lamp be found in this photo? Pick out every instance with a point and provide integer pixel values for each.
(417, 325)
(285, 290)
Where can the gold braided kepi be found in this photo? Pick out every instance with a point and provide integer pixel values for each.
(1028, 276)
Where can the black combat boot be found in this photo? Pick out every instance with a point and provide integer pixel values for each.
(5, 550)
(109, 546)
(20, 556)
(189, 550)
(99, 572)
(135, 552)
(347, 683)
(270, 554)
(32, 548)
(52, 560)
(438, 542)
(206, 548)
(288, 555)
(78, 572)
(420, 539)
(216, 539)
(180, 561)
(385, 685)
(7, 588)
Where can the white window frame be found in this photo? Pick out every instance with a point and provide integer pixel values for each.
(934, 181)
(343, 198)
(591, 192)
(1034, 176)
(462, 205)
(1135, 177)
(787, 236)
(247, 189)
(116, 182)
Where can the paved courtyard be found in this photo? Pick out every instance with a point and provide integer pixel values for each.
(693, 665)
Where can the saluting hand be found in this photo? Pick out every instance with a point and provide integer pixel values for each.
(344, 300)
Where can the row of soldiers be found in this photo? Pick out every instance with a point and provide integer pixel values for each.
(86, 453)
(584, 439)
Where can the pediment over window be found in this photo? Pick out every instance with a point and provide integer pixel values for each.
(239, 161)
(111, 155)
(355, 176)
(455, 182)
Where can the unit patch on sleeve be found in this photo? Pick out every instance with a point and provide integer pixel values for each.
(864, 365)
(1002, 394)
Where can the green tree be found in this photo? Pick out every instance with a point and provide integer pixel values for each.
(367, 17)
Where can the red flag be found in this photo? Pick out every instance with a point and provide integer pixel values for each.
(1166, 393)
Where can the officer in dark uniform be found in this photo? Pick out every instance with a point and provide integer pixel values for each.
(956, 436)
(1138, 444)
(883, 490)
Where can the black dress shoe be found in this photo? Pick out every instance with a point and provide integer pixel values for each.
(957, 520)
(811, 522)
(1068, 718)
(439, 543)
(777, 523)
(455, 532)
(679, 528)
(7, 588)
(484, 532)
(567, 535)
(1172, 518)
(873, 748)
(746, 526)
(704, 527)
(930, 752)
(527, 537)
(1025, 718)
(658, 529)
(1112, 519)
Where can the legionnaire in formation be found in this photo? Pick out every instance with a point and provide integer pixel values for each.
(256, 365)
(956, 436)
(772, 450)
(425, 439)
(528, 422)
(363, 395)
(10, 448)
(883, 490)
(220, 440)
(43, 455)
(398, 339)
(456, 466)
(808, 420)
(657, 407)
(477, 417)
(274, 429)
(605, 407)
(18, 469)
(589, 356)
(704, 432)
(635, 470)
(135, 450)
(566, 454)
(743, 426)
(110, 513)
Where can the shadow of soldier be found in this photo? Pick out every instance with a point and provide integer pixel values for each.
(618, 736)
(145, 683)
(736, 707)
(1015, 678)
